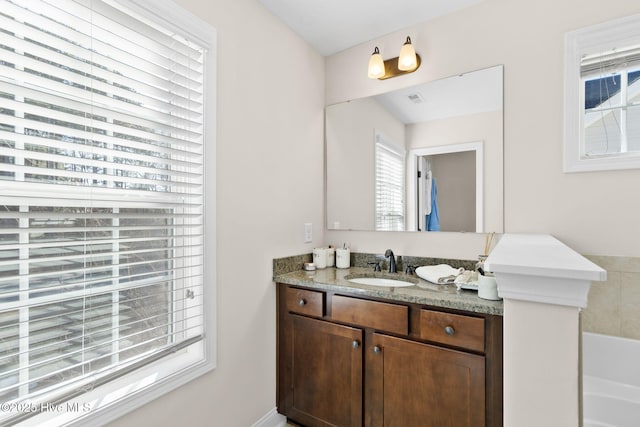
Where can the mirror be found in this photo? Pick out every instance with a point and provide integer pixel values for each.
(423, 158)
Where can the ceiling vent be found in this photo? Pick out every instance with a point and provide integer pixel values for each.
(416, 98)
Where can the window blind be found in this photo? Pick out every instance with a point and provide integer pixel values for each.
(101, 194)
(389, 185)
(611, 61)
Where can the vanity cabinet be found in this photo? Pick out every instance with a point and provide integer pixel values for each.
(347, 360)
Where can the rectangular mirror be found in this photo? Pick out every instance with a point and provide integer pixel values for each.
(423, 158)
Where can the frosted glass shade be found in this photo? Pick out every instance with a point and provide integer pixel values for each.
(407, 60)
(376, 65)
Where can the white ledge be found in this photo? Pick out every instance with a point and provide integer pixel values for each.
(540, 268)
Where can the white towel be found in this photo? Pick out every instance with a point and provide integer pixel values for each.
(441, 274)
(428, 183)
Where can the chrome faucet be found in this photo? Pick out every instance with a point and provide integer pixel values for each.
(392, 261)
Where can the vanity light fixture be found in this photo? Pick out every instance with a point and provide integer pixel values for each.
(407, 62)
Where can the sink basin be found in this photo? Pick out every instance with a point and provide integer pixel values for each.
(379, 281)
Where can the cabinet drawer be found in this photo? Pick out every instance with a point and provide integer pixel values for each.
(453, 329)
(304, 301)
(372, 314)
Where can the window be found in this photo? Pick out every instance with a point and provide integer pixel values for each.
(611, 104)
(389, 179)
(602, 97)
(102, 136)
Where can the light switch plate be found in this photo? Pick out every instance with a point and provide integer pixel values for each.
(308, 232)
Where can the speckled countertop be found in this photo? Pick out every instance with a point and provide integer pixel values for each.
(336, 279)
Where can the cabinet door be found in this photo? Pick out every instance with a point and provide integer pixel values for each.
(326, 373)
(415, 384)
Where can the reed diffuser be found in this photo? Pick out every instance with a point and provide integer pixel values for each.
(488, 241)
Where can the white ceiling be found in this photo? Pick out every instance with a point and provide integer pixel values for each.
(470, 93)
(331, 26)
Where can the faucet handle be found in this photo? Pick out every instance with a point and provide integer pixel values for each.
(376, 265)
(410, 269)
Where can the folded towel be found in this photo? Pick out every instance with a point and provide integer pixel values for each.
(441, 274)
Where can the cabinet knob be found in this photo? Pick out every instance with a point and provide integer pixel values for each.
(377, 350)
(449, 330)
(301, 302)
(355, 344)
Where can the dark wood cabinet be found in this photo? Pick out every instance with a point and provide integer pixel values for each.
(416, 384)
(326, 373)
(346, 360)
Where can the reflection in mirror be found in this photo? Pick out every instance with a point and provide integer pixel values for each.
(449, 131)
(460, 172)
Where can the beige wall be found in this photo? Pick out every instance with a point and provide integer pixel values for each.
(594, 213)
(269, 182)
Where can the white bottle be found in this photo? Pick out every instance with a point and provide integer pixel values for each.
(331, 257)
(343, 258)
(320, 257)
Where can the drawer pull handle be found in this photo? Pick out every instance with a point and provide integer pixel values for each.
(377, 350)
(449, 330)
(301, 302)
(355, 344)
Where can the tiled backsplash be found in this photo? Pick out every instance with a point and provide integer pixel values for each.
(284, 265)
(614, 305)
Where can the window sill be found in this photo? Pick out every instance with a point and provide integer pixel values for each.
(116, 398)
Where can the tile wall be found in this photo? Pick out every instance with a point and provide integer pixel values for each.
(614, 305)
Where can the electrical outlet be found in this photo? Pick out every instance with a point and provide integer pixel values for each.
(308, 232)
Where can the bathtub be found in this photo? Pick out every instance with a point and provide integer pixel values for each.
(611, 381)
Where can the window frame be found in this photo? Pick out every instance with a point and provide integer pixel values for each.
(110, 401)
(602, 37)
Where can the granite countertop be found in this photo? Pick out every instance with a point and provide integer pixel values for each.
(335, 279)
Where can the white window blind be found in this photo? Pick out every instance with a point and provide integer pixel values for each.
(608, 62)
(389, 185)
(611, 92)
(101, 196)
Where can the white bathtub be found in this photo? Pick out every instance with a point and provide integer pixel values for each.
(611, 381)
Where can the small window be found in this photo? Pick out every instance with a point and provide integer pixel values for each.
(602, 97)
(389, 184)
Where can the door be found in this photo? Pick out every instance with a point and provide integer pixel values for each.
(415, 384)
(326, 373)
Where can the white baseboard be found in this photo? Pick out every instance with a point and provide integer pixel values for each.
(271, 419)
